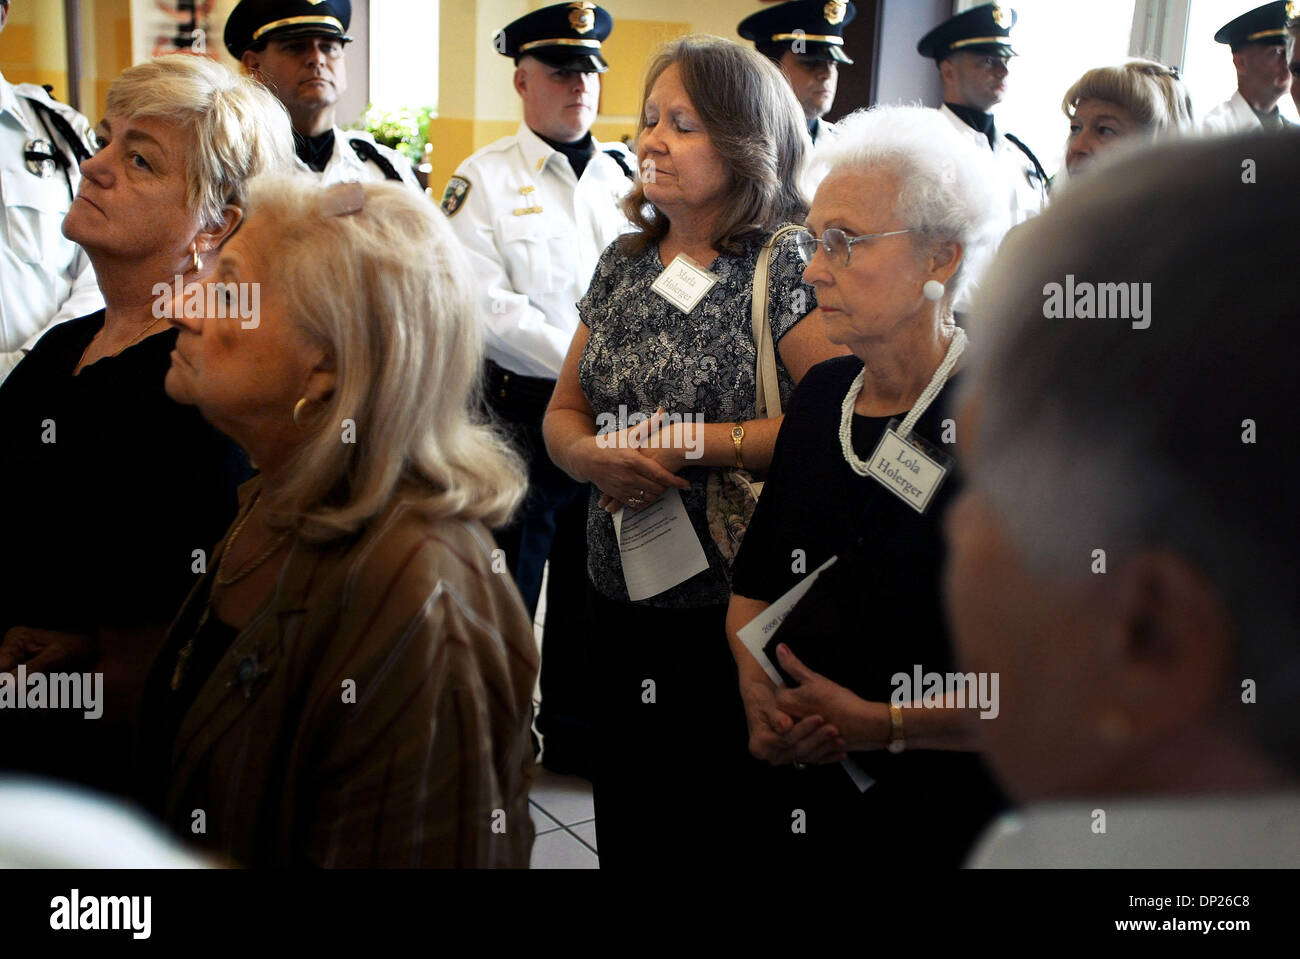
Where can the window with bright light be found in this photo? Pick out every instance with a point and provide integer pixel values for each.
(403, 54)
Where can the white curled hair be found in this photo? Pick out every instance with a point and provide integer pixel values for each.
(944, 181)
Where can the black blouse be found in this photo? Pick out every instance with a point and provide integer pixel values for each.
(877, 612)
(108, 485)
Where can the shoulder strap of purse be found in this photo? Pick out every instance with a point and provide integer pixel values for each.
(767, 392)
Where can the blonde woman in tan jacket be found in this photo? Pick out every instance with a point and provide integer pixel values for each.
(350, 683)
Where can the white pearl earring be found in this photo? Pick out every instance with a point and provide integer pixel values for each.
(933, 291)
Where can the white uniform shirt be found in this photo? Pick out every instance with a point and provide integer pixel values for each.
(1189, 832)
(1232, 116)
(534, 232)
(1024, 191)
(45, 278)
(345, 166)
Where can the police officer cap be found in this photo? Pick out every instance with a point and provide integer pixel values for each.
(1266, 24)
(818, 23)
(985, 29)
(253, 22)
(564, 35)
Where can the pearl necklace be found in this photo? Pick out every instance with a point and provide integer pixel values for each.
(955, 348)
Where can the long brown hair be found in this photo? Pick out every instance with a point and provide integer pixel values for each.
(756, 125)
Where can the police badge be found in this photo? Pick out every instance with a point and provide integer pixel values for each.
(39, 158)
(582, 18)
(834, 11)
(453, 198)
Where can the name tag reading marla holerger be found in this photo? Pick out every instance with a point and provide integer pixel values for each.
(683, 283)
(911, 468)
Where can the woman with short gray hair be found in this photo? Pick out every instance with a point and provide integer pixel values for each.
(1124, 556)
(114, 492)
(861, 479)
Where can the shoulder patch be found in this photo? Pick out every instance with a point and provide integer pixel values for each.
(453, 198)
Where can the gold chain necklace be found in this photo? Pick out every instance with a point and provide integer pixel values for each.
(182, 657)
(253, 564)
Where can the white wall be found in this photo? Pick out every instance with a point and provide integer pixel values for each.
(905, 76)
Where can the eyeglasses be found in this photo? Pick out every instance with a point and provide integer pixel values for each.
(837, 244)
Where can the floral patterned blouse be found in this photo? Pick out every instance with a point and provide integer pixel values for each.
(643, 353)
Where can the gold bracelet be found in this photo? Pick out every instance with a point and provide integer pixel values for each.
(896, 744)
(737, 435)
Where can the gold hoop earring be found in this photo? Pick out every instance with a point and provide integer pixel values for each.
(198, 264)
(297, 411)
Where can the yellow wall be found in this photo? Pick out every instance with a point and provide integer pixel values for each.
(477, 102)
(32, 48)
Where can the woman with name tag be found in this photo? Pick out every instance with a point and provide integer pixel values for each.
(666, 325)
(115, 493)
(862, 473)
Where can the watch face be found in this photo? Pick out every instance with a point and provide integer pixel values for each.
(737, 431)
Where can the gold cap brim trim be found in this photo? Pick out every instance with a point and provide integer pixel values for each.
(298, 21)
(971, 41)
(560, 42)
(1276, 32)
(814, 37)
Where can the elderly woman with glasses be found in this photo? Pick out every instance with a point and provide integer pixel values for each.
(862, 474)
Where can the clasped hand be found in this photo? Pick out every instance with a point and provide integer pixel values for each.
(631, 470)
(44, 650)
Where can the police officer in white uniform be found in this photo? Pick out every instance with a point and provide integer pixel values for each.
(45, 278)
(972, 50)
(295, 47)
(805, 39)
(1258, 41)
(535, 210)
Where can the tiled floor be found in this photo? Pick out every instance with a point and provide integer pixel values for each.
(560, 805)
(566, 826)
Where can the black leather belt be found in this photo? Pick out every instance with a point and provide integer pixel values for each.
(503, 384)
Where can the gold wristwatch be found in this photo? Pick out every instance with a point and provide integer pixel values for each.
(738, 434)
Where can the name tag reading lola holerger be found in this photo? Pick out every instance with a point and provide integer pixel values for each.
(683, 283)
(911, 468)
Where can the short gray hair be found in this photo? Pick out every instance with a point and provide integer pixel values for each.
(1093, 434)
(387, 292)
(945, 191)
(237, 128)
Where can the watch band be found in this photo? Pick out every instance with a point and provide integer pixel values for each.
(896, 744)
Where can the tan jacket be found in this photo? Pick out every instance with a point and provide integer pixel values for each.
(386, 722)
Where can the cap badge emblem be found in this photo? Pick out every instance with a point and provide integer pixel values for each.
(582, 18)
(834, 11)
(1002, 16)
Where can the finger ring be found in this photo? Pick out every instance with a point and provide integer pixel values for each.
(633, 501)
(640, 494)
